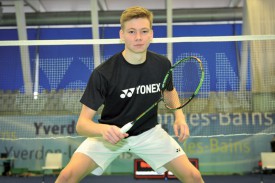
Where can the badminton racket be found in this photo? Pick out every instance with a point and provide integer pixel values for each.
(180, 85)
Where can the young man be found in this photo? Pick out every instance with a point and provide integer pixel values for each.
(116, 84)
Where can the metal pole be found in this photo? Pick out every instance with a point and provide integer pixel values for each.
(95, 31)
(169, 14)
(24, 50)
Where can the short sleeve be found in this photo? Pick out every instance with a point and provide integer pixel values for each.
(95, 92)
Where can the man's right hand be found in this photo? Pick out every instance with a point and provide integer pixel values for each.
(112, 134)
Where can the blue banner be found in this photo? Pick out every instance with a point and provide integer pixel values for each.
(69, 66)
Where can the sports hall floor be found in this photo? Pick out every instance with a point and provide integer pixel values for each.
(253, 178)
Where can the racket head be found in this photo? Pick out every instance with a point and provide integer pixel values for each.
(186, 78)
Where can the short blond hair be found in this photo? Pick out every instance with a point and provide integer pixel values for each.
(136, 12)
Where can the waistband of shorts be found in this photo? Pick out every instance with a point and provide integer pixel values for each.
(147, 130)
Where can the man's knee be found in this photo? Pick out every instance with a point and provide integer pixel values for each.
(65, 176)
(197, 177)
(191, 176)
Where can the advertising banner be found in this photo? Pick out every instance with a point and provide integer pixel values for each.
(223, 143)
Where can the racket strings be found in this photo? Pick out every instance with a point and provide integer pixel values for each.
(186, 77)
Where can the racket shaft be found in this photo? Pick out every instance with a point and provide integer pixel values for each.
(129, 125)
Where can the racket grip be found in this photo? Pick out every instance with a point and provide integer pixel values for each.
(126, 127)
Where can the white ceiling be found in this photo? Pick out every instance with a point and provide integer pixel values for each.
(105, 5)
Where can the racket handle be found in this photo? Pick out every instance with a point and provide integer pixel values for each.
(126, 127)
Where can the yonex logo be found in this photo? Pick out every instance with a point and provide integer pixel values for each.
(127, 92)
(141, 89)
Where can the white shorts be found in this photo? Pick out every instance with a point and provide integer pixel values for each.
(154, 146)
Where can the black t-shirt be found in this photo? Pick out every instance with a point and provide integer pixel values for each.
(127, 90)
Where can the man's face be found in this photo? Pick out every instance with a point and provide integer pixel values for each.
(136, 35)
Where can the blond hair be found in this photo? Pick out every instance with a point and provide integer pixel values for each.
(136, 12)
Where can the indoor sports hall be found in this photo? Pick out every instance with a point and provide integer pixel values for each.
(49, 48)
